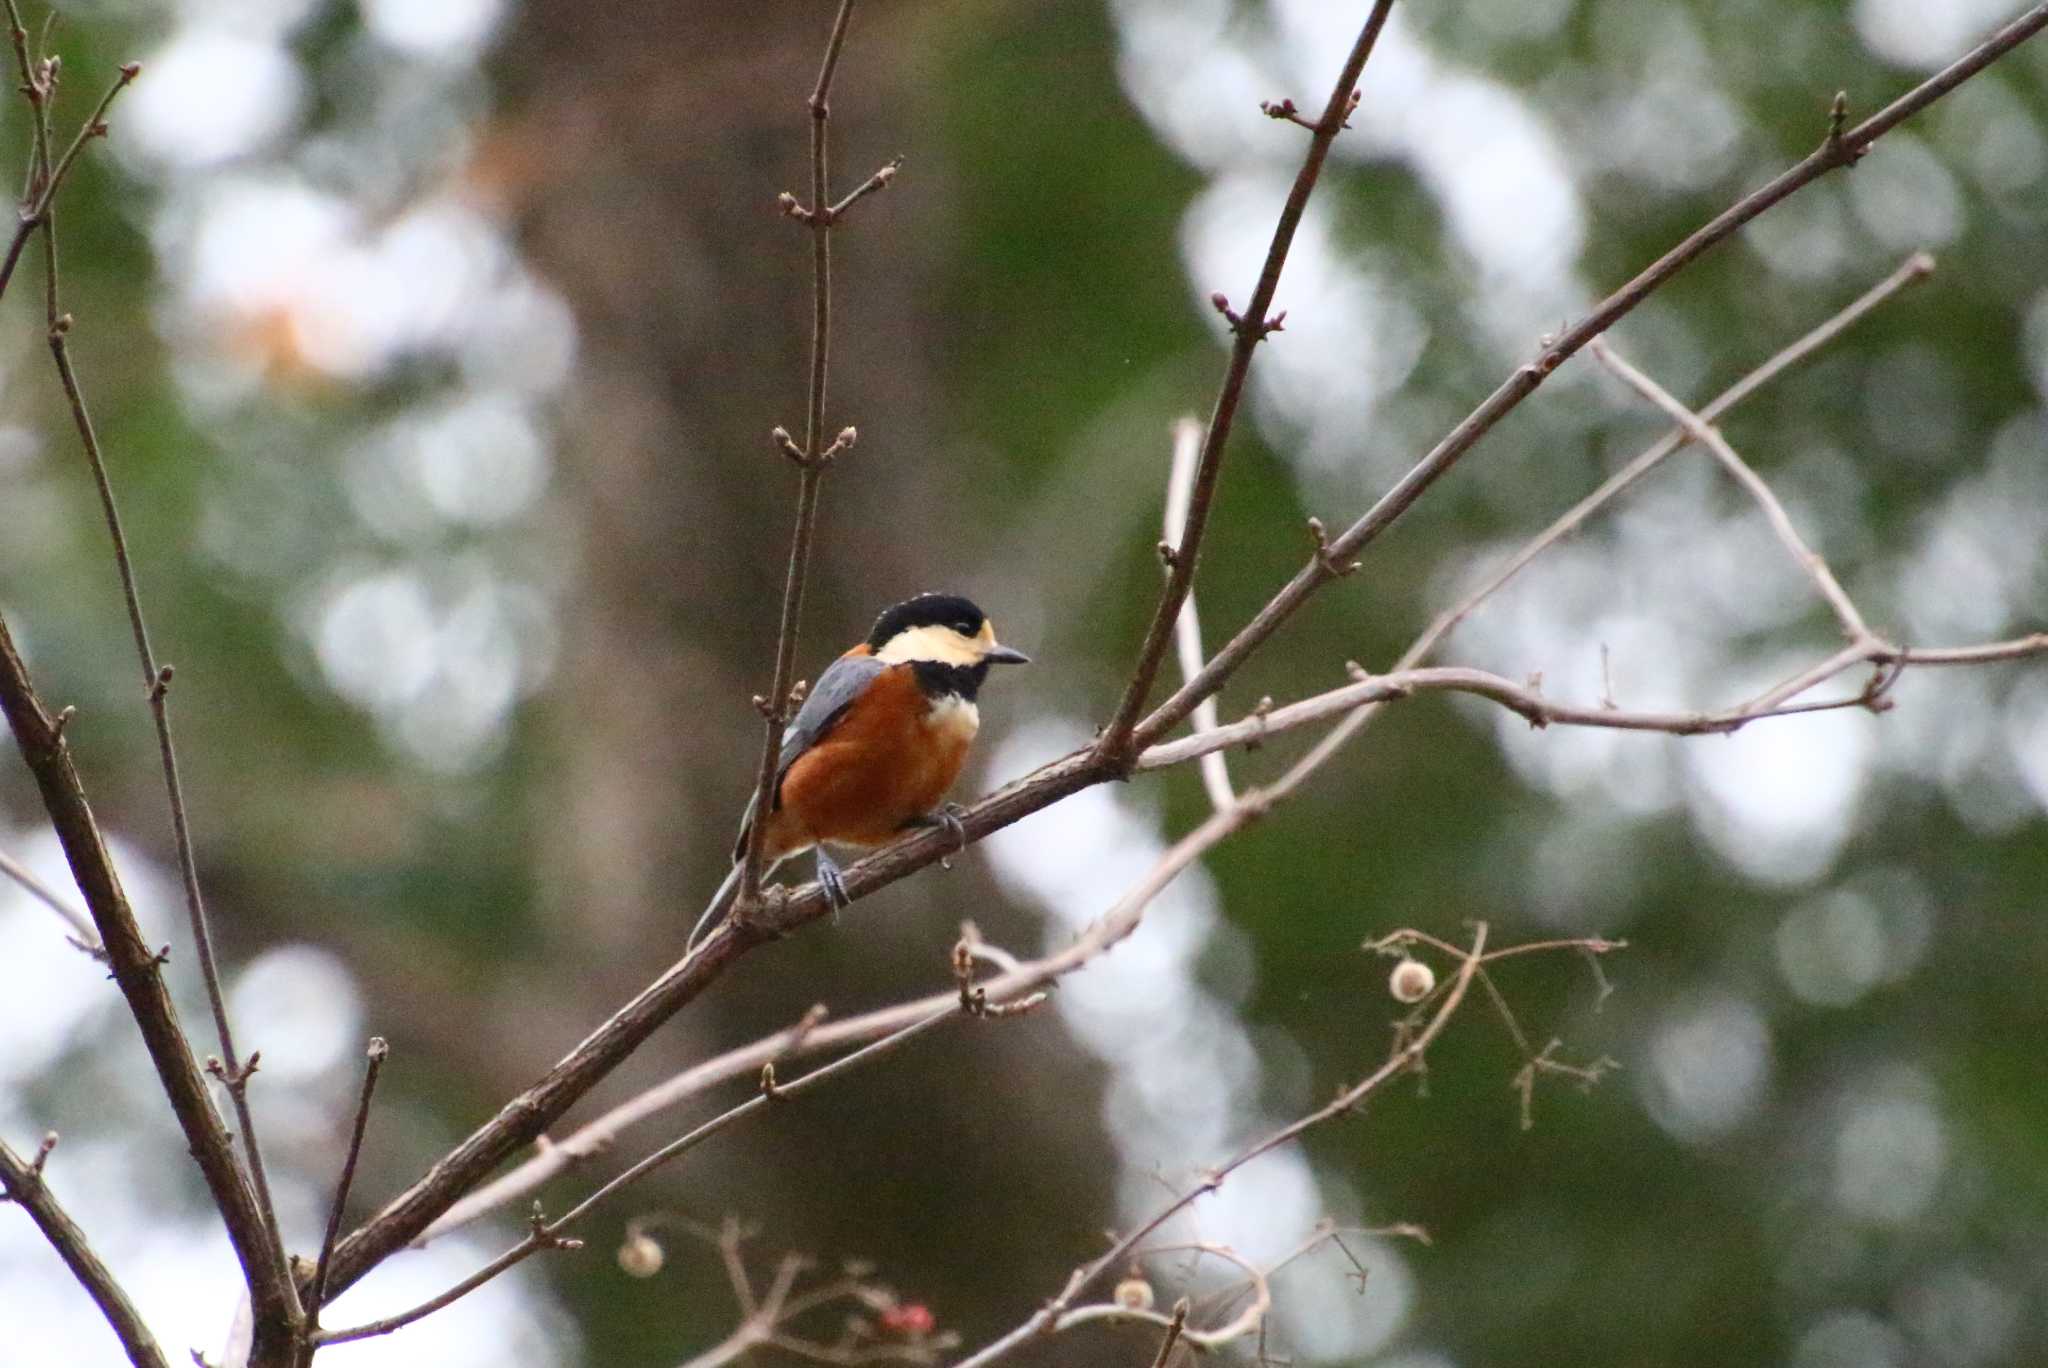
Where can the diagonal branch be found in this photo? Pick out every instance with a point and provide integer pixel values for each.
(374, 1056)
(22, 1181)
(1773, 508)
(156, 686)
(1838, 149)
(1916, 267)
(82, 934)
(548, 1234)
(246, 1211)
(138, 971)
(529, 1115)
(1399, 1062)
(1250, 329)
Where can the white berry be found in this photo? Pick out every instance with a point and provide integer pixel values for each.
(1411, 981)
(640, 1256)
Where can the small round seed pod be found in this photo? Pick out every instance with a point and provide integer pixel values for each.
(1411, 981)
(640, 1256)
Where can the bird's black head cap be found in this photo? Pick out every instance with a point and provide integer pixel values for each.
(927, 610)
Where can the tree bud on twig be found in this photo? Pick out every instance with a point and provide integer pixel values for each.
(1134, 1294)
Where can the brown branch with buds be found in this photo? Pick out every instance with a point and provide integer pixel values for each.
(1838, 149)
(22, 1183)
(1248, 330)
(1413, 1036)
(240, 1195)
(815, 456)
(525, 1118)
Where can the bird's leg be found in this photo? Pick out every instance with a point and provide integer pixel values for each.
(832, 882)
(947, 815)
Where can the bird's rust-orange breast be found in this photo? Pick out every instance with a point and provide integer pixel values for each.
(890, 758)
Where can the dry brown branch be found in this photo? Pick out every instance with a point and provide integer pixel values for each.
(373, 1064)
(897, 1332)
(233, 1072)
(1915, 268)
(1250, 329)
(526, 1117)
(23, 1184)
(816, 457)
(136, 968)
(545, 1234)
(1838, 149)
(1412, 1044)
(39, 82)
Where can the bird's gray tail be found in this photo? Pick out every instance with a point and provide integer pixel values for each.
(717, 910)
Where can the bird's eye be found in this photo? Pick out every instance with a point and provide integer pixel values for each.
(966, 628)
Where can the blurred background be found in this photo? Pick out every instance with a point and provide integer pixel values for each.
(434, 347)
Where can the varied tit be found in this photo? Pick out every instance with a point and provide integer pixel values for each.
(879, 739)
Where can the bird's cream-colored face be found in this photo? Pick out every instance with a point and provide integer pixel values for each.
(943, 645)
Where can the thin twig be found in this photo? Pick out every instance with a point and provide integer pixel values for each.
(812, 468)
(1527, 702)
(1119, 1252)
(374, 1056)
(1834, 152)
(156, 687)
(529, 1115)
(1700, 430)
(82, 934)
(23, 1182)
(542, 1237)
(547, 1234)
(1249, 329)
(45, 182)
(136, 967)
(1916, 267)
(1187, 633)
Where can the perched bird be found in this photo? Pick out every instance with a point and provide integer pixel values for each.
(879, 739)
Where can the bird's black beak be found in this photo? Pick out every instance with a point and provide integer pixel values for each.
(1003, 655)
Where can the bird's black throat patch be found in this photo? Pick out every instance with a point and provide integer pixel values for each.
(938, 678)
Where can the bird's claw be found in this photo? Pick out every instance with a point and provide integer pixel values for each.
(831, 881)
(948, 816)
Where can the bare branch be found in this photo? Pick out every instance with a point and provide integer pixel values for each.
(156, 681)
(530, 1114)
(1400, 1061)
(1834, 152)
(1916, 267)
(46, 181)
(374, 1057)
(82, 934)
(1701, 431)
(811, 472)
(1187, 633)
(22, 1180)
(1250, 329)
(542, 1237)
(548, 1234)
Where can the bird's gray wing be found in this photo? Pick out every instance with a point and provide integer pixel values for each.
(843, 681)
